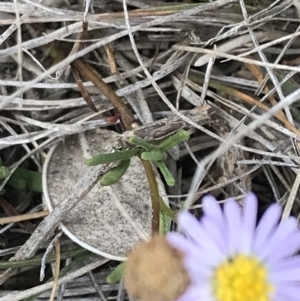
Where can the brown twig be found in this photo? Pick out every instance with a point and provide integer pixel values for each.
(260, 78)
(111, 59)
(126, 115)
(23, 217)
(85, 94)
(83, 35)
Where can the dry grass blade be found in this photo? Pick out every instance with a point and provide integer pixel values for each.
(56, 270)
(47, 286)
(23, 217)
(85, 94)
(257, 73)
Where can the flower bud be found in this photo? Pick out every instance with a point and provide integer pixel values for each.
(155, 271)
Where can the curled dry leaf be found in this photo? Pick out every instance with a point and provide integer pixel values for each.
(96, 223)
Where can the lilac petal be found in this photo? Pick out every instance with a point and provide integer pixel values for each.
(180, 242)
(183, 244)
(287, 248)
(287, 292)
(194, 229)
(285, 275)
(199, 292)
(191, 293)
(284, 297)
(212, 209)
(232, 214)
(286, 263)
(196, 272)
(285, 270)
(278, 238)
(266, 226)
(187, 298)
(217, 233)
(248, 223)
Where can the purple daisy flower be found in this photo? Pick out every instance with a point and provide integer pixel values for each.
(229, 258)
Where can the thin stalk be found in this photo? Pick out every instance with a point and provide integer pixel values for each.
(155, 197)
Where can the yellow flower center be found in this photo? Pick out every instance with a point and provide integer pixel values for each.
(242, 278)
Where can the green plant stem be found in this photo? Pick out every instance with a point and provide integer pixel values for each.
(155, 197)
(141, 143)
(172, 141)
(117, 274)
(154, 156)
(168, 211)
(166, 173)
(115, 174)
(111, 157)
